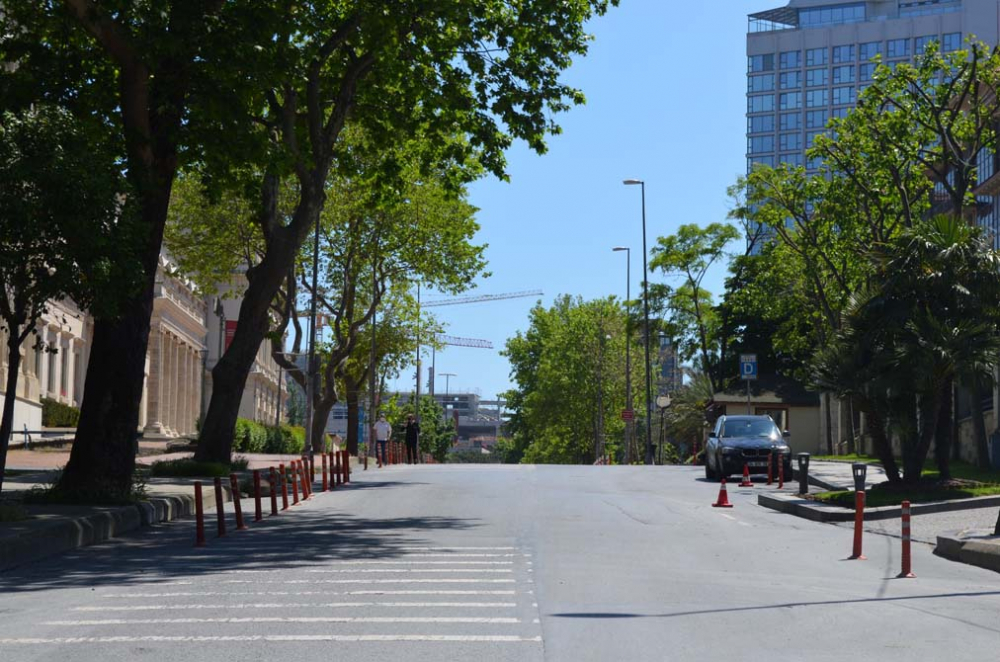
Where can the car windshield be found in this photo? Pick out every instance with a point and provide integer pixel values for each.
(749, 428)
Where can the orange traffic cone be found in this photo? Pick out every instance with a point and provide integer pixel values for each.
(746, 477)
(723, 501)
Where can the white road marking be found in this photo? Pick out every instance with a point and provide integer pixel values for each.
(441, 638)
(409, 570)
(371, 581)
(421, 562)
(727, 516)
(289, 619)
(433, 549)
(299, 605)
(196, 594)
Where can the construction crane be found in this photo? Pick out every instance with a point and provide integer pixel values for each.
(483, 297)
(463, 342)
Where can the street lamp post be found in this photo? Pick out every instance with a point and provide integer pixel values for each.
(447, 381)
(628, 350)
(645, 306)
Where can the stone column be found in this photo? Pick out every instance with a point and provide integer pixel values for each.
(43, 378)
(71, 371)
(168, 385)
(175, 385)
(183, 423)
(154, 385)
(57, 367)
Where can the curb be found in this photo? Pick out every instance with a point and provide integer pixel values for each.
(820, 512)
(969, 551)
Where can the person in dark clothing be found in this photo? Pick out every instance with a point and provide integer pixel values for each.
(412, 438)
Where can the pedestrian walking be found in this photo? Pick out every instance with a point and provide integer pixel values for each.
(412, 438)
(383, 431)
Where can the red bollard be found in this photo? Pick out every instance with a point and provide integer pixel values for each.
(326, 485)
(333, 470)
(859, 525)
(219, 512)
(295, 484)
(284, 487)
(781, 472)
(335, 466)
(234, 485)
(366, 458)
(306, 479)
(907, 570)
(258, 512)
(770, 467)
(347, 466)
(312, 472)
(273, 487)
(199, 516)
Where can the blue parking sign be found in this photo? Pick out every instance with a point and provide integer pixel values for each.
(748, 366)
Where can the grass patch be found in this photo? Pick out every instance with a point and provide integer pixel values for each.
(923, 492)
(188, 468)
(12, 512)
(853, 457)
(98, 494)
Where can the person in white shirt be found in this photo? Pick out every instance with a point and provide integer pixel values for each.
(383, 431)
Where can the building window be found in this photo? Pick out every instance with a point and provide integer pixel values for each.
(831, 15)
(816, 119)
(951, 42)
(758, 63)
(760, 160)
(840, 113)
(816, 57)
(791, 80)
(816, 98)
(760, 144)
(867, 72)
(763, 83)
(790, 59)
(763, 103)
(920, 43)
(842, 75)
(790, 101)
(788, 142)
(843, 54)
(869, 50)
(814, 163)
(844, 95)
(928, 7)
(811, 137)
(790, 121)
(897, 48)
(760, 124)
(792, 160)
(816, 77)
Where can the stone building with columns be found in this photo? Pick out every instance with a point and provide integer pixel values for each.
(183, 346)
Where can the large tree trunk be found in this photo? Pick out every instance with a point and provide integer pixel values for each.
(979, 426)
(321, 414)
(882, 445)
(229, 376)
(914, 454)
(10, 398)
(103, 457)
(829, 424)
(352, 395)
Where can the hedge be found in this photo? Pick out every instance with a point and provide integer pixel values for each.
(253, 437)
(57, 415)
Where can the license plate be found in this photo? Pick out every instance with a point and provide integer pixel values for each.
(758, 464)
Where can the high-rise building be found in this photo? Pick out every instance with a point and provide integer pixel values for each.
(809, 60)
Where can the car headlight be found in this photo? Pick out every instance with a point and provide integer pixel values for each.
(729, 450)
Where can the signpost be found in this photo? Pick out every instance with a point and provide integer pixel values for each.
(628, 414)
(748, 371)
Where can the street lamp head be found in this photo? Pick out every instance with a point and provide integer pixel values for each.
(620, 248)
(632, 182)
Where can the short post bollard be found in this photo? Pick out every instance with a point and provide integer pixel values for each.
(295, 483)
(307, 478)
(258, 511)
(284, 487)
(347, 466)
(199, 516)
(220, 514)
(859, 470)
(803, 459)
(326, 485)
(770, 467)
(781, 471)
(336, 460)
(312, 472)
(333, 470)
(859, 525)
(273, 488)
(234, 485)
(907, 571)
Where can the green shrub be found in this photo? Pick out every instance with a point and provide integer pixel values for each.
(188, 468)
(57, 415)
(285, 439)
(249, 437)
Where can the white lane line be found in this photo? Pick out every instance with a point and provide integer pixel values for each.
(421, 562)
(440, 638)
(300, 605)
(409, 570)
(370, 581)
(434, 549)
(727, 516)
(199, 594)
(289, 619)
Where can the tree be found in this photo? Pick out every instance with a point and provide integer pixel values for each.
(690, 253)
(60, 210)
(492, 75)
(436, 431)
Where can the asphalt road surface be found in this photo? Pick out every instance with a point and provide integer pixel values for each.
(504, 563)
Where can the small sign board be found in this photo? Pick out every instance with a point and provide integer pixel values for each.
(628, 414)
(748, 366)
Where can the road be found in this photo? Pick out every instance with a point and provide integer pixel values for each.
(524, 563)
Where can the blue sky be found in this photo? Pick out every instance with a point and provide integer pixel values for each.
(665, 83)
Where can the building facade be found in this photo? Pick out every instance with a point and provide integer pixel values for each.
(181, 352)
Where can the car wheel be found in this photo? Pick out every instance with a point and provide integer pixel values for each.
(709, 474)
(720, 474)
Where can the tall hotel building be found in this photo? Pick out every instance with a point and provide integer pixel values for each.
(809, 60)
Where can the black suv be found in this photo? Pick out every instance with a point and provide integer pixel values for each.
(745, 440)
